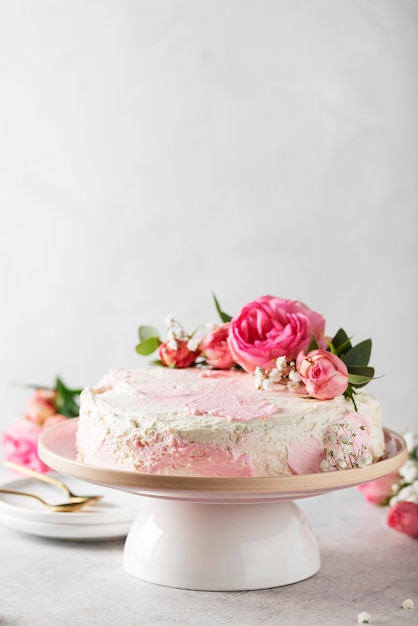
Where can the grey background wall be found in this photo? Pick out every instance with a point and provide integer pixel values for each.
(152, 152)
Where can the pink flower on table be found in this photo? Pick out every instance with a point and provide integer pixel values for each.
(215, 348)
(380, 490)
(20, 444)
(403, 516)
(179, 355)
(271, 327)
(41, 405)
(324, 375)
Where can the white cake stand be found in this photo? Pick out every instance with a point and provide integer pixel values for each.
(217, 534)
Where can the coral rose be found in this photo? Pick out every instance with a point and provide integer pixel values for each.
(215, 348)
(403, 517)
(180, 356)
(271, 327)
(324, 375)
(380, 490)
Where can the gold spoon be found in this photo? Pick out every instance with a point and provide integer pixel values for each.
(49, 479)
(64, 507)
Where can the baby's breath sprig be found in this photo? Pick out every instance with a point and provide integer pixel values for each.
(344, 454)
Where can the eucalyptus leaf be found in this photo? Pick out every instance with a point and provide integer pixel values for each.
(145, 332)
(148, 346)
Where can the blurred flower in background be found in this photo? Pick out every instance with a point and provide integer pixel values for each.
(46, 407)
(399, 491)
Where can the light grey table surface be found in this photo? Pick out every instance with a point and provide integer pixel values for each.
(366, 566)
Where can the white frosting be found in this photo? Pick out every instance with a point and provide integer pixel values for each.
(211, 422)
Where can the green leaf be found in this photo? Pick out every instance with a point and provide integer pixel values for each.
(145, 332)
(359, 355)
(148, 346)
(341, 342)
(358, 381)
(350, 393)
(313, 345)
(67, 399)
(224, 316)
(361, 370)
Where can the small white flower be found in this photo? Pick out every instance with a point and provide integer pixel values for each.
(172, 344)
(409, 471)
(409, 492)
(275, 375)
(408, 604)
(292, 386)
(342, 464)
(331, 438)
(363, 618)
(368, 458)
(267, 384)
(193, 344)
(281, 363)
(294, 376)
(351, 427)
(335, 428)
(325, 466)
(169, 320)
(346, 439)
(347, 448)
(411, 440)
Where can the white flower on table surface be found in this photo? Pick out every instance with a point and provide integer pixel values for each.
(408, 604)
(363, 618)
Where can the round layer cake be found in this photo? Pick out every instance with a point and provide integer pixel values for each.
(199, 421)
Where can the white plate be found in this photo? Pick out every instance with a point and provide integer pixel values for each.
(109, 518)
(74, 532)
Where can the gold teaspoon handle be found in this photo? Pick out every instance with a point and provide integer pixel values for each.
(31, 472)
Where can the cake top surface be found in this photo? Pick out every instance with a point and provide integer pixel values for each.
(170, 394)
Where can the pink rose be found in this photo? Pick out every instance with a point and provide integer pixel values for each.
(271, 327)
(215, 348)
(41, 405)
(379, 490)
(403, 517)
(179, 357)
(20, 444)
(324, 374)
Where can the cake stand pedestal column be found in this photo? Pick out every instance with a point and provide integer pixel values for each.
(220, 546)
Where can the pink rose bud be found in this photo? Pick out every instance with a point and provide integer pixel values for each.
(215, 348)
(41, 405)
(324, 374)
(271, 327)
(179, 357)
(379, 490)
(403, 517)
(20, 444)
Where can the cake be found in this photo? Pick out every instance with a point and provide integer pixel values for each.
(203, 422)
(266, 393)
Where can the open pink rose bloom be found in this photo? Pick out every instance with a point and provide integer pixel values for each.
(271, 327)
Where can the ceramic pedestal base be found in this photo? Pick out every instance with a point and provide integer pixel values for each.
(220, 546)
